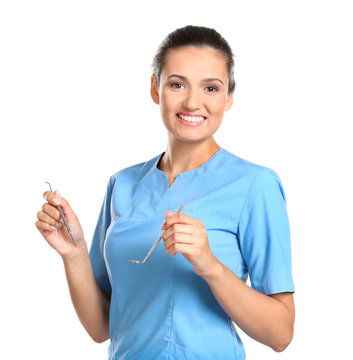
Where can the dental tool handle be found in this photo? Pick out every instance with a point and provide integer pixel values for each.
(67, 225)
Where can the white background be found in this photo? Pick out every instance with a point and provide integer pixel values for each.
(75, 108)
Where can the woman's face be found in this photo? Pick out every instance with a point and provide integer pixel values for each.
(193, 85)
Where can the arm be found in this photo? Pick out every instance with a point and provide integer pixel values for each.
(90, 302)
(268, 319)
(264, 240)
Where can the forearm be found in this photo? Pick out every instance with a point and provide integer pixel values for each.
(91, 305)
(262, 317)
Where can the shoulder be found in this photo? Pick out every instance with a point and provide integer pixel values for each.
(238, 166)
(255, 180)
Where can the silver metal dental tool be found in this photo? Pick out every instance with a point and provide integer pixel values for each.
(64, 219)
(154, 245)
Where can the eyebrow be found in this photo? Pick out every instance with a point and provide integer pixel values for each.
(204, 80)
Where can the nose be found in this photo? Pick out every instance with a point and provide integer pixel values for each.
(192, 99)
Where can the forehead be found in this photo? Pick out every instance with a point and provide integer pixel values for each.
(193, 61)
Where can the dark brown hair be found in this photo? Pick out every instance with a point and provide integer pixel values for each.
(198, 36)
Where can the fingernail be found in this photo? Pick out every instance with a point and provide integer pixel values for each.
(56, 201)
(162, 227)
(45, 196)
(57, 193)
(53, 227)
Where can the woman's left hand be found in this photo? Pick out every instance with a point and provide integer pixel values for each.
(187, 235)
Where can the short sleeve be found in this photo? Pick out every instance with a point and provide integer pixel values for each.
(96, 252)
(264, 235)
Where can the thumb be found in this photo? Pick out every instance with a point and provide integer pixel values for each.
(65, 207)
(168, 214)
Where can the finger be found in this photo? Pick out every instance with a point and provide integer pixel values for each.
(42, 216)
(43, 226)
(185, 249)
(181, 218)
(178, 239)
(178, 228)
(52, 198)
(51, 211)
(45, 195)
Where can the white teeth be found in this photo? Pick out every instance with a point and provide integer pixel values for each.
(191, 118)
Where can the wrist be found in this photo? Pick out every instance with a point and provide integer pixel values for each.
(215, 271)
(76, 253)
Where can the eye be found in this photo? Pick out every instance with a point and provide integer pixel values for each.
(172, 85)
(212, 87)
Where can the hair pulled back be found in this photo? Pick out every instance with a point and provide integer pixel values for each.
(198, 36)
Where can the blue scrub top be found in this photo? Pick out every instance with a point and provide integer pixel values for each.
(161, 309)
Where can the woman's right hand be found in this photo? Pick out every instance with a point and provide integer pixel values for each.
(58, 237)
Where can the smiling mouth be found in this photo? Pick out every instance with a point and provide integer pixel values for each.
(191, 118)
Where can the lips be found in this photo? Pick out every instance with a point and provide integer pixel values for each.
(190, 121)
(190, 114)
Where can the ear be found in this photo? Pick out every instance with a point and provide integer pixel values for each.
(230, 99)
(154, 89)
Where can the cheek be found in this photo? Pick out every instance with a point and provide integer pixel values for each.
(216, 105)
(167, 102)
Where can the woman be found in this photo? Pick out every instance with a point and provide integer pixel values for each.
(182, 302)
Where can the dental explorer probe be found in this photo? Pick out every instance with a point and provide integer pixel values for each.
(64, 219)
(154, 245)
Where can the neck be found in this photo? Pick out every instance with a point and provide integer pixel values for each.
(181, 156)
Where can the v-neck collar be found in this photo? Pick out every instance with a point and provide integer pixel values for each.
(183, 173)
